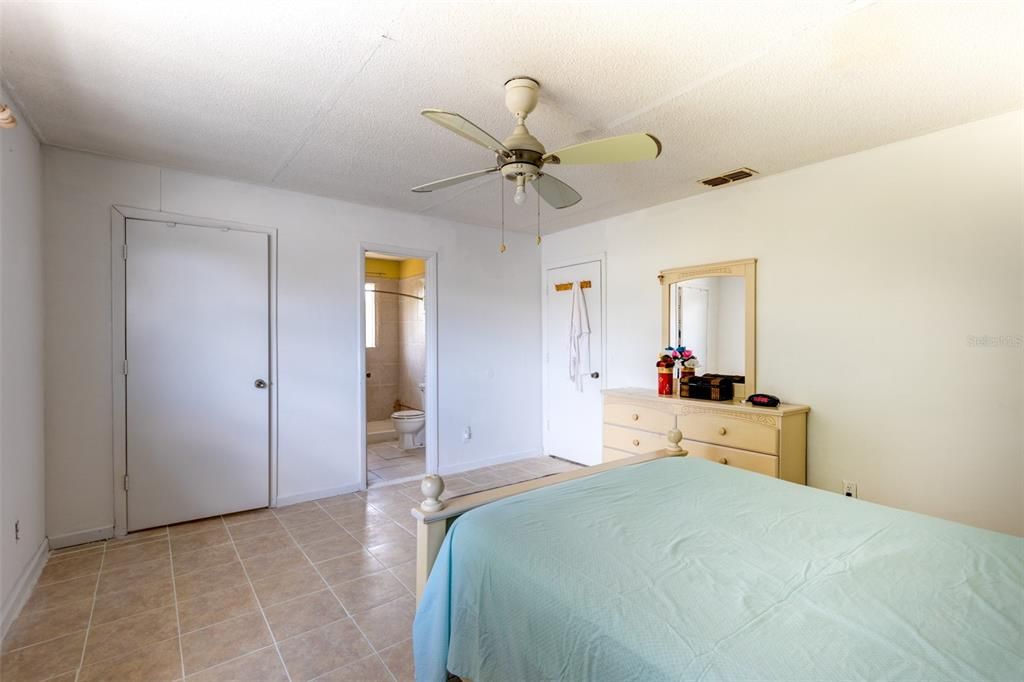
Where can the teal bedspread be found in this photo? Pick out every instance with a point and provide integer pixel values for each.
(682, 569)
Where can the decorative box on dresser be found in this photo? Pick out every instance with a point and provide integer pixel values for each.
(770, 441)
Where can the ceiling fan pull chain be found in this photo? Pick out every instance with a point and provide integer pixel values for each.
(538, 216)
(501, 200)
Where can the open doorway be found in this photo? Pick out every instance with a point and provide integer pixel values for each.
(396, 345)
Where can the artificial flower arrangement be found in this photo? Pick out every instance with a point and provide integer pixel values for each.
(683, 357)
(669, 358)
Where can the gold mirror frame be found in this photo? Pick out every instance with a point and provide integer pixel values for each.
(747, 269)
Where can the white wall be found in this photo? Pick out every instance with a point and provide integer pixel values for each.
(875, 271)
(22, 463)
(488, 327)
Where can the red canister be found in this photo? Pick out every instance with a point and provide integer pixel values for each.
(666, 369)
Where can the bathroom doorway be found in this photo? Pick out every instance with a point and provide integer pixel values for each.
(397, 341)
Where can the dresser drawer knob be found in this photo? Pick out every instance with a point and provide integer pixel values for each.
(636, 417)
(721, 431)
(636, 442)
(723, 460)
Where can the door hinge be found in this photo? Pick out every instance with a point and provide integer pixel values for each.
(124, 368)
(124, 252)
(126, 482)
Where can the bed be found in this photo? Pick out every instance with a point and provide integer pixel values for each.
(682, 569)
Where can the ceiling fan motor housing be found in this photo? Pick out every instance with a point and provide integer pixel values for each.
(522, 162)
(526, 158)
(521, 95)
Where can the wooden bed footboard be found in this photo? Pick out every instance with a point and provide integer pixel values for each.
(433, 516)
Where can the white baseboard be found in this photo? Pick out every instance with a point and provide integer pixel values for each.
(23, 587)
(285, 500)
(80, 537)
(449, 469)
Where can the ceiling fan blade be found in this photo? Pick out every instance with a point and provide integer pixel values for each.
(556, 192)
(454, 180)
(632, 147)
(467, 129)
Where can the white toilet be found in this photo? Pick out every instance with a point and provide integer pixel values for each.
(411, 426)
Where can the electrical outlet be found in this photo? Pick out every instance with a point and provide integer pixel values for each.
(850, 488)
(17, 530)
(467, 435)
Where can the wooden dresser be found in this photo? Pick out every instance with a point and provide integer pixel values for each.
(771, 441)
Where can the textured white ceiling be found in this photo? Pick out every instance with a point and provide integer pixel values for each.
(324, 97)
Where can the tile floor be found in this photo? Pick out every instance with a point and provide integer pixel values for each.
(320, 590)
(385, 462)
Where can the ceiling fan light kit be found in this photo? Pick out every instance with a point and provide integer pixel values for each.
(7, 119)
(521, 157)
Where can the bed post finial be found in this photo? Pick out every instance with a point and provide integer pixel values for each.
(432, 487)
(674, 436)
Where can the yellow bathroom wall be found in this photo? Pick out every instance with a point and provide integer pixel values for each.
(387, 269)
(411, 267)
(395, 269)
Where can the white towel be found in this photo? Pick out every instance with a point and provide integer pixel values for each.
(579, 338)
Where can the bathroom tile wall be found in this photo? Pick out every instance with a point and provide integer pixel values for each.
(412, 347)
(383, 362)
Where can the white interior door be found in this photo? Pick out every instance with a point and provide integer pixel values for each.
(197, 315)
(572, 427)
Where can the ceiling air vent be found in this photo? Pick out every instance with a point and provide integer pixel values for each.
(731, 176)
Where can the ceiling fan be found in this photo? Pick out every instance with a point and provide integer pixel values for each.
(521, 157)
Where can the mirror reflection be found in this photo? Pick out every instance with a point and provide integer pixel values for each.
(707, 316)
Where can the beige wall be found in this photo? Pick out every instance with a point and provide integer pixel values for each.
(397, 363)
(383, 362)
(877, 273)
(412, 344)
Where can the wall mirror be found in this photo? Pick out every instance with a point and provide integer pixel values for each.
(710, 309)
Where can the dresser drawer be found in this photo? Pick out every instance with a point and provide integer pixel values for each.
(733, 433)
(633, 441)
(637, 417)
(609, 455)
(751, 461)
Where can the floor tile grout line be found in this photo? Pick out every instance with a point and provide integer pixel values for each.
(109, 622)
(373, 655)
(259, 606)
(174, 593)
(236, 658)
(92, 610)
(352, 616)
(45, 641)
(344, 608)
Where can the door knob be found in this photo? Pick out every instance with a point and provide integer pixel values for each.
(260, 383)
(595, 375)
